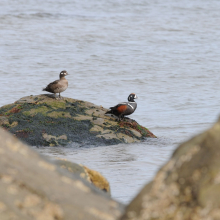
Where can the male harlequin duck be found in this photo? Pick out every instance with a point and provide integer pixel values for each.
(58, 86)
(124, 108)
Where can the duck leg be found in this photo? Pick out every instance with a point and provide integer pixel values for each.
(60, 96)
(120, 117)
(55, 96)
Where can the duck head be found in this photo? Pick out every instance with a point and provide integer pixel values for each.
(63, 73)
(131, 97)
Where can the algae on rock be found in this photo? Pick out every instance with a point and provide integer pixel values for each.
(44, 121)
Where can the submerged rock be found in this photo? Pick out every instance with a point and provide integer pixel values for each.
(33, 187)
(91, 176)
(187, 187)
(44, 121)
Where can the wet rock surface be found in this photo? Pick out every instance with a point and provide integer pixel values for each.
(33, 187)
(187, 187)
(44, 121)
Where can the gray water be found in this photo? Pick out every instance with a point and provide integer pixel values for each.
(167, 52)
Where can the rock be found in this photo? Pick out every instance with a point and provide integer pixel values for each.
(98, 180)
(4, 121)
(32, 187)
(44, 121)
(91, 176)
(187, 187)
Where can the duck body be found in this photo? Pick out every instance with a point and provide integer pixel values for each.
(124, 108)
(58, 86)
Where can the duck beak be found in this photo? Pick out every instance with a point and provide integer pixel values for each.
(135, 97)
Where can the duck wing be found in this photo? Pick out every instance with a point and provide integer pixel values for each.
(118, 109)
(52, 86)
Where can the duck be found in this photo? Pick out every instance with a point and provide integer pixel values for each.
(124, 108)
(59, 85)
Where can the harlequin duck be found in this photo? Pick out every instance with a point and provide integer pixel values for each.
(124, 108)
(58, 86)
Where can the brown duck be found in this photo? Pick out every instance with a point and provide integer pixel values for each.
(58, 86)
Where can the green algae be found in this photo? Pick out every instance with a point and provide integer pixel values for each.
(5, 110)
(56, 104)
(123, 130)
(6, 126)
(58, 114)
(28, 130)
(40, 109)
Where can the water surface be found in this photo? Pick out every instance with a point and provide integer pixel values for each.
(167, 52)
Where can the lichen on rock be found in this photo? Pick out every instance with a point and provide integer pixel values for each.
(44, 121)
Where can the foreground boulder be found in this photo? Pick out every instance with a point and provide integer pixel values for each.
(31, 187)
(187, 187)
(44, 121)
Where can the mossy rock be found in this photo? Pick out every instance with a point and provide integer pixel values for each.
(44, 121)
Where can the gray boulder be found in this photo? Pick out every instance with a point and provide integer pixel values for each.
(32, 187)
(187, 187)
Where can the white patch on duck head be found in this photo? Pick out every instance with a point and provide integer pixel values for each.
(63, 73)
(132, 96)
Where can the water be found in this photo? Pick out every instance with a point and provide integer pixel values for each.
(167, 52)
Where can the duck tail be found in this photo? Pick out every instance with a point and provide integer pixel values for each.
(109, 112)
